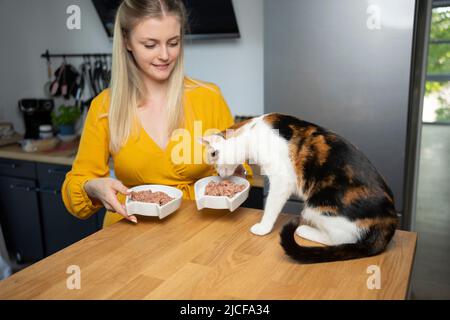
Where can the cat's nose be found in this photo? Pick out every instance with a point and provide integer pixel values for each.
(222, 174)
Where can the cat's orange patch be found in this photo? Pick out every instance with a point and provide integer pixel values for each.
(293, 156)
(308, 131)
(299, 157)
(349, 173)
(332, 137)
(271, 118)
(328, 181)
(322, 149)
(328, 209)
(384, 222)
(388, 196)
(383, 226)
(355, 193)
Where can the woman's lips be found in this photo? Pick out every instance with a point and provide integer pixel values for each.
(161, 67)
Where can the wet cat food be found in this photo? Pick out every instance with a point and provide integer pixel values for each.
(223, 188)
(158, 197)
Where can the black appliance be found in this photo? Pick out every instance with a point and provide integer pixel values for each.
(35, 112)
(207, 19)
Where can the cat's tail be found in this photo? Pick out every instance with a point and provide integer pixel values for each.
(373, 242)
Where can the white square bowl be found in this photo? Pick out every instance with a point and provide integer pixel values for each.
(153, 209)
(220, 202)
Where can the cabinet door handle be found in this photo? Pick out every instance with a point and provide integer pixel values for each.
(8, 165)
(23, 187)
(34, 189)
(57, 171)
(49, 190)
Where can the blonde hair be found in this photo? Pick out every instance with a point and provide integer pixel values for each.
(127, 88)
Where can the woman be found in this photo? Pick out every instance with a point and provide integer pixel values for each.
(131, 122)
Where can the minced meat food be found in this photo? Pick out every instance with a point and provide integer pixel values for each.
(157, 197)
(223, 188)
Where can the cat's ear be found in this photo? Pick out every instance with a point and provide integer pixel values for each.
(208, 140)
(203, 141)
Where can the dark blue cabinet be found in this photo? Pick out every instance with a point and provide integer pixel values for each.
(59, 227)
(20, 218)
(32, 214)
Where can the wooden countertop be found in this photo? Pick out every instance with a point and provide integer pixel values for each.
(64, 154)
(205, 255)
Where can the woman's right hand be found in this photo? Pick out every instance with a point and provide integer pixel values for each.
(105, 190)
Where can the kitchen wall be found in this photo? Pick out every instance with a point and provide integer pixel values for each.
(28, 28)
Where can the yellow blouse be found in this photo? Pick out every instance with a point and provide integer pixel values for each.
(141, 160)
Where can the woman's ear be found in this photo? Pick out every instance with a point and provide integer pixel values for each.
(126, 41)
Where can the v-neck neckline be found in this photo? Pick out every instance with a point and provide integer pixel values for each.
(149, 137)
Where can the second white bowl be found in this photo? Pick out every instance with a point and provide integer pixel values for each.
(220, 202)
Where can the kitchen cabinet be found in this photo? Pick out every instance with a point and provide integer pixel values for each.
(60, 228)
(33, 217)
(20, 218)
(255, 198)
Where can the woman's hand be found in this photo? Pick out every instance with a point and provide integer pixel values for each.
(240, 172)
(105, 190)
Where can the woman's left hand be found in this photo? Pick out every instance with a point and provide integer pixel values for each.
(240, 172)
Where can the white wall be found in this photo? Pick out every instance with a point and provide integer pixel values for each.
(28, 28)
(235, 65)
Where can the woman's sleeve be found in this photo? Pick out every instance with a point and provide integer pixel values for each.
(91, 161)
(224, 120)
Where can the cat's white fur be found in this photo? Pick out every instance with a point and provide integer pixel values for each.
(257, 143)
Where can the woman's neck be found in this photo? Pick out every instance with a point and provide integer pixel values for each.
(156, 90)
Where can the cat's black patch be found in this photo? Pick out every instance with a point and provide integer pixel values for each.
(284, 123)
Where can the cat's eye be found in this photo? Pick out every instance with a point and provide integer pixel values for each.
(214, 153)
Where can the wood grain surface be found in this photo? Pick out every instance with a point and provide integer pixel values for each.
(208, 254)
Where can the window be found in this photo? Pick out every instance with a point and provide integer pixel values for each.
(437, 89)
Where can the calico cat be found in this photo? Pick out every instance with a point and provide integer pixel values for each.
(347, 204)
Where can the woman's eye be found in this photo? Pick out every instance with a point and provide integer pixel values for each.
(149, 46)
(174, 44)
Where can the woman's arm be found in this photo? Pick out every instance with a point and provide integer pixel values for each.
(91, 160)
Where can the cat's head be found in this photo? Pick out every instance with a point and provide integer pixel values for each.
(221, 154)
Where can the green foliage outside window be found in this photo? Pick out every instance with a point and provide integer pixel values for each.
(439, 60)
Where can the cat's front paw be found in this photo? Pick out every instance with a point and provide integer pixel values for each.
(260, 229)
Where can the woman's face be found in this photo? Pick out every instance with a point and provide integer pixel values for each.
(156, 43)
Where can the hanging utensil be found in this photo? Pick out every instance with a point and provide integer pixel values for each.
(81, 86)
(108, 67)
(48, 83)
(97, 75)
(105, 74)
(64, 86)
(91, 76)
(55, 86)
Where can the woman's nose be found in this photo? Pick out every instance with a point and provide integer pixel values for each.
(164, 53)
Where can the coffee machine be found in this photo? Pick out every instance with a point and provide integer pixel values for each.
(35, 112)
